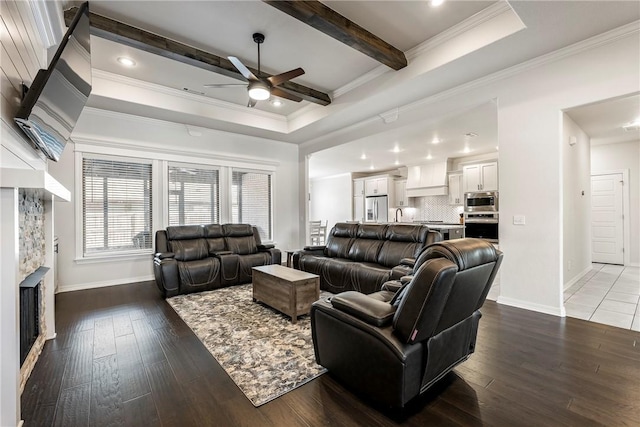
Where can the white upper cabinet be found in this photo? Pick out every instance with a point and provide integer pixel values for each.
(401, 193)
(376, 187)
(358, 187)
(455, 189)
(480, 177)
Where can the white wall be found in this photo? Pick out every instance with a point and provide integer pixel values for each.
(576, 173)
(331, 199)
(23, 54)
(615, 157)
(530, 99)
(111, 133)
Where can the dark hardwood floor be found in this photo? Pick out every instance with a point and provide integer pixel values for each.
(123, 357)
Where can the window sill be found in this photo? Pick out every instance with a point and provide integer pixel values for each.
(95, 259)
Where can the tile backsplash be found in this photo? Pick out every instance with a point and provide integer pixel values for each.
(436, 208)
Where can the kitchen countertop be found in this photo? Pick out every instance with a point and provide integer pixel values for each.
(433, 225)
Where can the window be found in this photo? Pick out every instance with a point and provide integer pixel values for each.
(251, 200)
(116, 206)
(194, 196)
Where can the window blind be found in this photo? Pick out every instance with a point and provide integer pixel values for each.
(194, 196)
(116, 206)
(251, 201)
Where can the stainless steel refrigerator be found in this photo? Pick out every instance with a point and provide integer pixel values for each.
(377, 209)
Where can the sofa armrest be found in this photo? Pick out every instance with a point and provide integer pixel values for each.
(410, 262)
(265, 247)
(314, 248)
(369, 310)
(406, 279)
(218, 254)
(391, 285)
(164, 255)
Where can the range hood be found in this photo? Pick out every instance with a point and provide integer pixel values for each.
(427, 180)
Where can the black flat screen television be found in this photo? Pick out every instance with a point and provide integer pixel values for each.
(53, 103)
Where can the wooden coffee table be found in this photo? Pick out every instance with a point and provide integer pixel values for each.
(287, 290)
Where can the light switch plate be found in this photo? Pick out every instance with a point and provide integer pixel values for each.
(518, 220)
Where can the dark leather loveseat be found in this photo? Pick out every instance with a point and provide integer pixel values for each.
(194, 258)
(361, 257)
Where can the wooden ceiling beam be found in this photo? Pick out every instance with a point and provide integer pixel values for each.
(122, 33)
(330, 22)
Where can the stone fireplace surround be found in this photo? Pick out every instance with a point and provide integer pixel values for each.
(26, 227)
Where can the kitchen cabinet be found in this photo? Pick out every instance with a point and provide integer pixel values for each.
(455, 189)
(401, 193)
(376, 187)
(358, 200)
(480, 177)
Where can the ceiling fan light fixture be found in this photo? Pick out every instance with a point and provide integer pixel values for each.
(259, 91)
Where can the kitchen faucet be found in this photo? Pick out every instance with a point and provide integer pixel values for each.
(398, 210)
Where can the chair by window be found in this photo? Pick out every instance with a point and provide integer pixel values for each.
(317, 232)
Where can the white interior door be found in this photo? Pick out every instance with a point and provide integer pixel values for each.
(606, 219)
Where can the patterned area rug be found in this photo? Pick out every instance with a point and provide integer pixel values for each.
(261, 350)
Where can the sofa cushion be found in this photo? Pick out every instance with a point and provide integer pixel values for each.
(189, 250)
(215, 238)
(239, 239)
(369, 240)
(199, 275)
(340, 239)
(368, 277)
(183, 232)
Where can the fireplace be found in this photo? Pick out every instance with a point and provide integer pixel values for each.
(30, 311)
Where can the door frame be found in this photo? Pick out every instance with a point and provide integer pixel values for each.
(626, 224)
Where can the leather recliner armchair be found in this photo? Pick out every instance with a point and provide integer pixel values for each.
(391, 350)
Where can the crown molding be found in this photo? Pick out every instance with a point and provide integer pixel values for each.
(148, 150)
(120, 79)
(468, 24)
(49, 21)
(599, 40)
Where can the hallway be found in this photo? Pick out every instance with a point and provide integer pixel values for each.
(607, 294)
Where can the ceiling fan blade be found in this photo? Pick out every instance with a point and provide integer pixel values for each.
(284, 77)
(252, 103)
(286, 95)
(242, 68)
(215, 85)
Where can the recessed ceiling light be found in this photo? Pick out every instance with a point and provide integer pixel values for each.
(397, 162)
(436, 140)
(363, 157)
(396, 149)
(436, 3)
(276, 102)
(371, 167)
(466, 150)
(429, 157)
(496, 148)
(127, 62)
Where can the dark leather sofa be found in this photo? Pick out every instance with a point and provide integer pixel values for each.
(361, 257)
(392, 346)
(194, 258)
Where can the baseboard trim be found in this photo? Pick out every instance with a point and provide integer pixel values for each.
(93, 285)
(546, 309)
(575, 278)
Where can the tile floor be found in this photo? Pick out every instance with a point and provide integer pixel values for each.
(607, 294)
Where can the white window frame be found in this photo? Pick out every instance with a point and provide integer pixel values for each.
(221, 189)
(271, 196)
(106, 256)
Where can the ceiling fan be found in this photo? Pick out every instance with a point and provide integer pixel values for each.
(261, 88)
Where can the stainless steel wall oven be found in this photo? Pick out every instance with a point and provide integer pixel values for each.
(482, 226)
